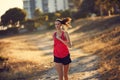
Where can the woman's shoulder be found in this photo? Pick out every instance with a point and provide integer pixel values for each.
(54, 33)
(65, 32)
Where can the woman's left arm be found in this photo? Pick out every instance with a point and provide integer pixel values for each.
(68, 40)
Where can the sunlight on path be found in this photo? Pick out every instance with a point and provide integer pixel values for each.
(39, 49)
(83, 67)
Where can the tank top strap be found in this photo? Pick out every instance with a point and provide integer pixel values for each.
(54, 34)
(62, 34)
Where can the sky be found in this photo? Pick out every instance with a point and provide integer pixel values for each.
(7, 4)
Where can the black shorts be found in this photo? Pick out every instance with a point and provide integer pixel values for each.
(66, 60)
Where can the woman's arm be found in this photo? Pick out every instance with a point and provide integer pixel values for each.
(68, 42)
(68, 39)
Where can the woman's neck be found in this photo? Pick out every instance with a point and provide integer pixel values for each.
(59, 31)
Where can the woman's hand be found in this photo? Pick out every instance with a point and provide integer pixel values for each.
(58, 37)
(65, 42)
(68, 42)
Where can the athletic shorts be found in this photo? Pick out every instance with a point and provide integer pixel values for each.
(66, 60)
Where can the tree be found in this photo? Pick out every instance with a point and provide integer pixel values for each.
(107, 7)
(98, 7)
(85, 8)
(38, 17)
(30, 25)
(77, 3)
(12, 16)
(37, 13)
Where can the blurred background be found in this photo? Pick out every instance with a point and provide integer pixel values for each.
(30, 15)
(26, 43)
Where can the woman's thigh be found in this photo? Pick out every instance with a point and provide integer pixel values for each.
(59, 68)
(66, 69)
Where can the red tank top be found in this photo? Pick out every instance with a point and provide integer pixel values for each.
(60, 49)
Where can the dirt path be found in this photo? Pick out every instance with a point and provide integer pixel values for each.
(83, 67)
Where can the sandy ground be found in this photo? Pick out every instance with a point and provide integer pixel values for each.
(84, 66)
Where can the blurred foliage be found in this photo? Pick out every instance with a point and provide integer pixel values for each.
(99, 7)
(49, 18)
(9, 31)
(107, 7)
(58, 14)
(12, 16)
(38, 17)
(77, 3)
(78, 9)
(30, 25)
(37, 13)
(85, 8)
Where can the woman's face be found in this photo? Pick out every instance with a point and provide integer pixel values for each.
(58, 25)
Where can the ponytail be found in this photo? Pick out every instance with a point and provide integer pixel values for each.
(65, 21)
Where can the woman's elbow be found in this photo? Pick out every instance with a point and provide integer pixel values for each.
(70, 45)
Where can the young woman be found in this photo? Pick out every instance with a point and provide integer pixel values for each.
(61, 44)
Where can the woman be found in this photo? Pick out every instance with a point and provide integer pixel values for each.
(61, 44)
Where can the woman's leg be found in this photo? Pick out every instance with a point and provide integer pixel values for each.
(59, 68)
(66, 69)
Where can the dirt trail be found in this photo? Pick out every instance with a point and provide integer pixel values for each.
(83, 67)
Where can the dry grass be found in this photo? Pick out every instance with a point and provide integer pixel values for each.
(24, 59)
(104, 41)
(100, 36)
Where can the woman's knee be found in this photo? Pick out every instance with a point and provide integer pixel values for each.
(65, 75)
